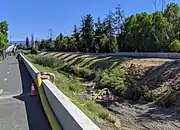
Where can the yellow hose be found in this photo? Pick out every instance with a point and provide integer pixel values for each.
(50, 115)
(100, 93)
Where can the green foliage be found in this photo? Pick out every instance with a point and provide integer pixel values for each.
(72, 88)
(118, 20)
(149, 96)
(3, 35)
(113, 79)
(61, 66)
(27, 42)
(83, 72)
(133, 91)
(122, 81)
(87, 33)
(175, 46)
(47, 61)
(76, 36)
(79, 71)
(32, 41)
(34, 51)
(112, 45)
(1, 56)
(141, 32)
(99, 36)
(21, 46)
(2, 42)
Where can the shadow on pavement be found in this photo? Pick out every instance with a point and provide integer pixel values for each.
(37, 119)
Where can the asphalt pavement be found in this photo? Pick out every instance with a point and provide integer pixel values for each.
(18, 110)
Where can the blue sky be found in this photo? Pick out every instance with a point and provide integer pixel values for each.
(37, 16)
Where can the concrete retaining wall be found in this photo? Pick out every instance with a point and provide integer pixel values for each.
(69, 115)
(150, 55)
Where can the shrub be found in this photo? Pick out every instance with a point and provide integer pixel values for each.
(47, 61)
(51, 62)
(175, 46)
(34, 51)
(113, 78)
(168, 99)
(148, 95)
(133, 91)
(84, 72)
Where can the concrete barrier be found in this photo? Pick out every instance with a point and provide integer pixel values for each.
(55, 125)
(68, 115)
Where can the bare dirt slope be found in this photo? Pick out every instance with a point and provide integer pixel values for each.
(146, 117)
(161, 76)
(90, 59)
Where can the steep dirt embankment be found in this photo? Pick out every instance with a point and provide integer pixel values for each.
(160, 76)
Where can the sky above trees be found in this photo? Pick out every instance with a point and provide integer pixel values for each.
(142, 32)
(26, 17)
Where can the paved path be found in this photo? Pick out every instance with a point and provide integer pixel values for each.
(19, 111)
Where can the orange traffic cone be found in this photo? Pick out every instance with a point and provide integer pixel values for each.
(33, 91)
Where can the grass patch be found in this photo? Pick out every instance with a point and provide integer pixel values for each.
(1, 57)
(51, 62)
(73, 89)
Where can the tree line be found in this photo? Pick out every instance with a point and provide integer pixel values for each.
(144, 32)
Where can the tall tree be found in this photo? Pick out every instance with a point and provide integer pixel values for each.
(37, 44)
(143, 32)
(50, 35)
(119, 20)
(4, 28)
(32, 41)
(71, 44)
(110, 32)
(87, 33)
(59, 42)
(99, 35)
(160, 31)
(76, 36)
(42, 45)
(172, 13)
(27, 42)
